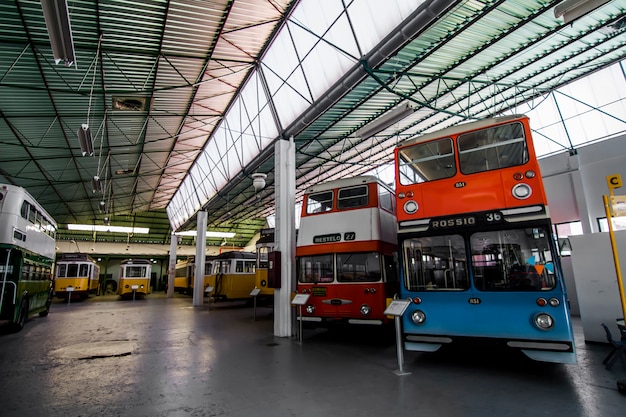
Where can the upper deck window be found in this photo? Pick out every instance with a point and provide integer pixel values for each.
(427, 161)
(352, 197)
(493, 148)
(319, 202)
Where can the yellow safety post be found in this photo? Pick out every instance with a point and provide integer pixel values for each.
(615, 181)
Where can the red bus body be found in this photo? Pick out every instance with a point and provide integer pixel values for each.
(487, 190)
(344, 252)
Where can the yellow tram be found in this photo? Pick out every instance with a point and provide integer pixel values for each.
(185, 272)
(77, 275)
(264, 245)
(134, 278)
(233, 276)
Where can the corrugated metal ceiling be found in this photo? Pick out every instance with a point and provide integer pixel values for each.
(187, 60)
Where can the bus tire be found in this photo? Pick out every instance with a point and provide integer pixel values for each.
(47, 310)
(21, 319)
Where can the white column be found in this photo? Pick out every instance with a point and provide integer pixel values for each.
(285, 233)
(171, 270)
(198, 285)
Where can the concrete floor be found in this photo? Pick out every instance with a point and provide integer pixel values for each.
(163, 357)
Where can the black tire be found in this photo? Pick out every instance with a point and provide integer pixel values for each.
(21, 319)
(47, 310)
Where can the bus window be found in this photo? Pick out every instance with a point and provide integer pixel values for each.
(494, 148)
(352, 197)
(320, 202)
(435, 263)
(428, 161)
(358, 267)
(315, 268)
(512, 260)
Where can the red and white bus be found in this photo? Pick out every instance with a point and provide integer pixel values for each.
(345, 252)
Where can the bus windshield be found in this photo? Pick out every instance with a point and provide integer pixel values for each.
(494, 148)
(512, 260)
(427, 161)
(358, 267)
(313, 269)
(436, 263)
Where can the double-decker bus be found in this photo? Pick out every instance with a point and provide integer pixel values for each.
(478, 261)
(77, 275)
(185, 273)
(27, 252)
(233, 276)
(345, 252)
(134, 278)
(264, 246)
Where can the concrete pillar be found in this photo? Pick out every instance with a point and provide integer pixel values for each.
(198, 285)
(588, 224)
(285, 233)
(171, 270)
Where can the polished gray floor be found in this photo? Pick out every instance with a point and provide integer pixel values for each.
(163, 357)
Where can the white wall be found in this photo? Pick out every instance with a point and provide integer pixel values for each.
(574, 186)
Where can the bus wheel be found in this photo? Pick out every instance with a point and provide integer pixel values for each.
(21, 319)
(47, 310)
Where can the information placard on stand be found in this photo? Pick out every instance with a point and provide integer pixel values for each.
(299, 300)
(397, 308)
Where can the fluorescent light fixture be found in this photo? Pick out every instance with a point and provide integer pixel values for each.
(57, 18)
(84, 138)
(573, 9)
(392, 117)
(209, 233)
(111, 229)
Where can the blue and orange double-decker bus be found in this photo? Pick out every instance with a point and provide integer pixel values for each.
(345, 252)
(477, 256)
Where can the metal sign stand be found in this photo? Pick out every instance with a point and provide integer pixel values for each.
(134, 288)
(299, 300)
(207, 292)
(69, 289)
(397, 309)
(255, 291)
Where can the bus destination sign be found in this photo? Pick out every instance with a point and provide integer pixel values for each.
(334, 237)
(453, 222)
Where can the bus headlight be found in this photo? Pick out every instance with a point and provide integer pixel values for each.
(365, 310)
(544, 321)
(522, 191)
(410, 207)
(418, 317)
(310, 309)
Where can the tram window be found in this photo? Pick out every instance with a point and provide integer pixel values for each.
(72, 271)
(84, 270)
(136, 272)
(352, 197)
(492, 148)
(436, 263)
(319, 202)
(427, 161)
(512, 260)
(315, 269)
(358, 267)
(61, 270)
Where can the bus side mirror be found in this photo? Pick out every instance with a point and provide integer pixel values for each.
(273, 269)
